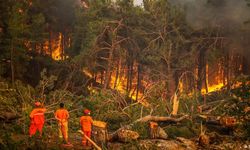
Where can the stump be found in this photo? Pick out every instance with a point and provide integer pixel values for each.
(100, 132)
(157, 132)
(153, 128)
(204, 140)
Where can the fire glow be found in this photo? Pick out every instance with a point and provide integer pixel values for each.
(216, 83)
(119, 83)
(57, 52)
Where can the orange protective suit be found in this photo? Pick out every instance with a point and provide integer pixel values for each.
(86, 125)
(37, 121)
(62, 116)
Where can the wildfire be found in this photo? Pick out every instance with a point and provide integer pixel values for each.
(212, 88)
(56, 53)
(215, 82)
(119, 83)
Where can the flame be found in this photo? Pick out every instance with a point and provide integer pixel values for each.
(87, 73)
(216, 83)
(119, 83)
(212, 88)
(57, 52)
(181, 86)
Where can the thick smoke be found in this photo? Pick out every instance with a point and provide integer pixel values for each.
(215, 13)
(229, 16)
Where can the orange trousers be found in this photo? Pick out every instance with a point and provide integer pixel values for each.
(63, 130)
(34, 127)
(84, 140)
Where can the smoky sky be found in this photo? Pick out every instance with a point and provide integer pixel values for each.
(214, 13)
(231, 17)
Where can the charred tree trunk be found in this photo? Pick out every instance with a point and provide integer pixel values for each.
(117, 73)
(50, 43)
(41, 48)
(227, 69)
(201, 64)
(245, 66)
(12, 63)
(206, 77)
(127, 85)
(108, 69)
(171, 82)
(102, 76)
(131, 75)
(63, 46)
(138, 81)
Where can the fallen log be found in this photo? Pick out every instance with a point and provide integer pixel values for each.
(225, 121)
(161, 119)
(8, 116)
(123, 135)
(115, 135)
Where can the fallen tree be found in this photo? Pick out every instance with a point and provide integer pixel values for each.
(133, 135)
(161, 119)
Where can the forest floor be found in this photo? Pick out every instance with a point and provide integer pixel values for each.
(224, 120)
(226, 142)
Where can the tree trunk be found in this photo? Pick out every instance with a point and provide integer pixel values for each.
(227, 69)
(63, 46)
(131, 74)
(50, 43)
(171, 82)
(206, 77)
(108, 69)
(245, 64)
(201, 64)
(138, 81)
(102, 76)
(12, 63)
(117, 73)
(127, 85)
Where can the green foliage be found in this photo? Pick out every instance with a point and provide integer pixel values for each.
(189, 103)
(142, 129)
(175, 131)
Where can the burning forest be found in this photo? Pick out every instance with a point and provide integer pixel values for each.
(125, 74)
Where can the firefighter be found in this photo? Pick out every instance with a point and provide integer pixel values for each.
(62, 116)
(86, 122)
(37, 119)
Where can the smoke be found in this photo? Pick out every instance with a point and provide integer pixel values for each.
(228, 14)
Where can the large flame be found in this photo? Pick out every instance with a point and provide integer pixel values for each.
(119, 83)
(57, 52)
(214, 81)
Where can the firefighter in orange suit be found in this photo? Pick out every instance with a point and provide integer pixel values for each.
(62, 115)
(37, 119)
(86, 122)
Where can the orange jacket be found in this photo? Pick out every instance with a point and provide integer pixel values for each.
(62, 115)
(37, 115)
(86, 123)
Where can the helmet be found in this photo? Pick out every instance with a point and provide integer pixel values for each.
(37, 104)
(86, 111)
